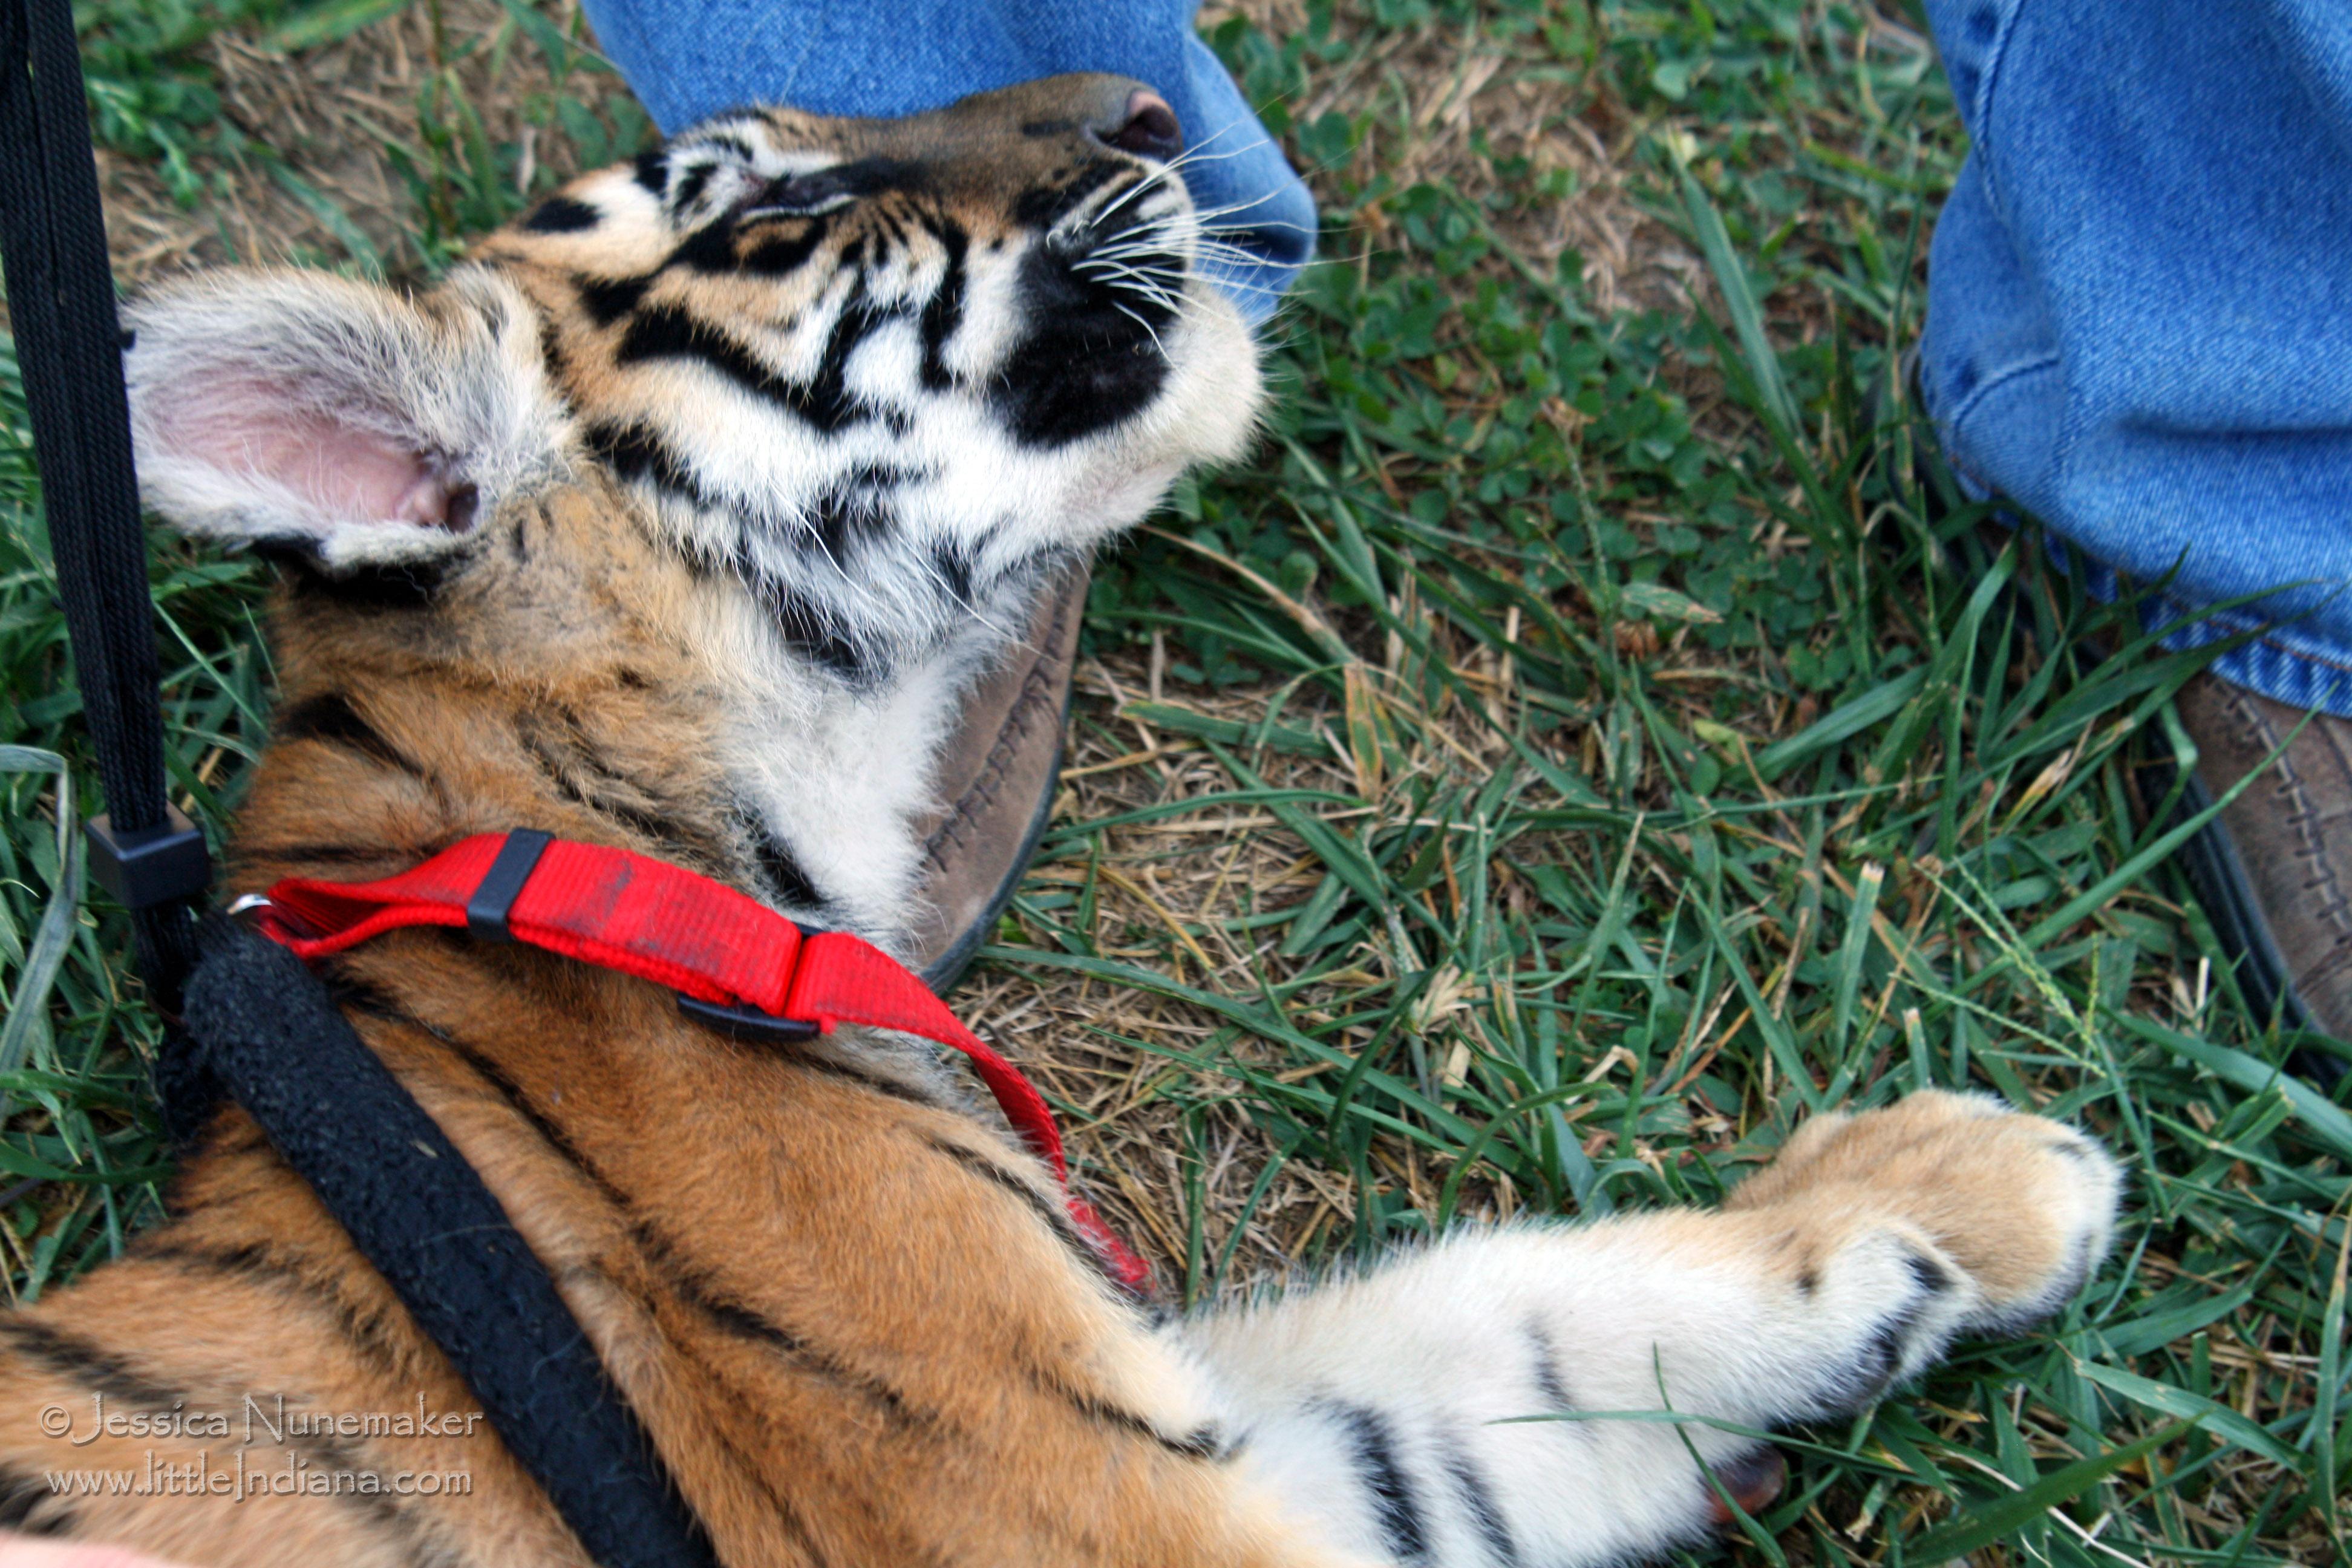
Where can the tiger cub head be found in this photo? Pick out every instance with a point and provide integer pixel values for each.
(880, 375)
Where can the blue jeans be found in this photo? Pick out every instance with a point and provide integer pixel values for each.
(688, 58)
(2139, 305)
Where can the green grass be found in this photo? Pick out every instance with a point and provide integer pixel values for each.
(1794, 795)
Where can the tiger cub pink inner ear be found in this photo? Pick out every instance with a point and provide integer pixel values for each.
(304, 410)
(338, 467)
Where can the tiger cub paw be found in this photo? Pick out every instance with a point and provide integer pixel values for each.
(2023, 1207)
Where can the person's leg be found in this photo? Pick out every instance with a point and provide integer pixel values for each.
(687, 59)
(2139, 330)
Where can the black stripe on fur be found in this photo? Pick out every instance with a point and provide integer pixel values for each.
(414, 1208)
(330, 719)
(669, 332)
(1394, 1502)
(371, 1337)
(76, 1360)
(29, 1506)
(1478, 1500)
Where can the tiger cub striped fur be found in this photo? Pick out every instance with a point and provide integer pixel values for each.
(677, 519)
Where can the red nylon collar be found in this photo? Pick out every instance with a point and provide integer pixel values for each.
(754, 971)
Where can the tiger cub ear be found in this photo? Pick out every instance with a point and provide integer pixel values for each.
(362, 427)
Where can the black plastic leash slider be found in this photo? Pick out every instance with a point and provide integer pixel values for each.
(153, 865)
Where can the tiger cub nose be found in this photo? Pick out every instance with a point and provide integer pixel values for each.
(1151, 131)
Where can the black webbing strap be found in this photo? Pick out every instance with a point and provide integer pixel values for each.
(276, 1041)
(70, 347)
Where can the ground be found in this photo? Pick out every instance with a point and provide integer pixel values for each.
(1577, 745)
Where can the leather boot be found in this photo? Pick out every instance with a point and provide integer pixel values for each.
(2274, 870)
(996, 781)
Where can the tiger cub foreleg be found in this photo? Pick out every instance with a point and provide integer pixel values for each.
(1382, 1405)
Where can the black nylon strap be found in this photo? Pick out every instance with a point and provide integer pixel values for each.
(274, 1040)
(69, 345)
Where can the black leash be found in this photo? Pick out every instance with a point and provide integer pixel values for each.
(69, 344)
(275, 1040)
(261, 1028)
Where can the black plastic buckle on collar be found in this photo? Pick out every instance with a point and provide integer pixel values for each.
(158, 866)
(747, 1023)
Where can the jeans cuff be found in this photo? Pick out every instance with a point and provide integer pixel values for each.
(2278, 661)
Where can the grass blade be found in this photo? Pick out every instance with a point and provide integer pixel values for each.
(2004, 1517)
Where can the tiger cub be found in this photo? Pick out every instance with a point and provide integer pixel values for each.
(679, 519)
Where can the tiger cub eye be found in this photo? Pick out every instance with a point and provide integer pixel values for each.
(800, 196)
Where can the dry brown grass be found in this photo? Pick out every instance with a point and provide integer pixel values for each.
(1435, 90)
(1161, 890)
(1166, 1143)
(331, 114)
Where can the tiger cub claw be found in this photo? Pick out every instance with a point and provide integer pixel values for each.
(1752, 1481)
